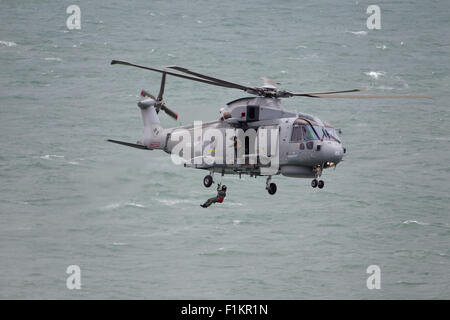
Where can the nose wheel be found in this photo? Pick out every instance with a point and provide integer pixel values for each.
(317, 183)
(208, 181)
(271, 187)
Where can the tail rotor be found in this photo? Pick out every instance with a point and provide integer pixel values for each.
(159, 102)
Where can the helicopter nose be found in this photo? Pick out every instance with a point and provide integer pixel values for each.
(332, 153)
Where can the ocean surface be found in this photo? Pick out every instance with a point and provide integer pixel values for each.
(130, 219)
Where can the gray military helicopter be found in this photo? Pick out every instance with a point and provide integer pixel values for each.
(305, 145)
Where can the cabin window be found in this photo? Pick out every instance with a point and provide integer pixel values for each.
(296, 133)
(252, 113)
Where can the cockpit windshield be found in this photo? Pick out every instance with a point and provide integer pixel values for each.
(311, 130)
(332, 135)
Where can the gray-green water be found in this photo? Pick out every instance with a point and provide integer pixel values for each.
(131, 219)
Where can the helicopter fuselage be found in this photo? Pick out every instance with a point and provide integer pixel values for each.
(304, 144)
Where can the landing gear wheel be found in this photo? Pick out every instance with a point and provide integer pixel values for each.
(314, 183)
(207, 181)
(272, 188)
(321, 184)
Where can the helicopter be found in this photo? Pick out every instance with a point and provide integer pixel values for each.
(302, 145)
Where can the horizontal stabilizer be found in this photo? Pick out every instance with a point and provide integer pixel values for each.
(128, 144)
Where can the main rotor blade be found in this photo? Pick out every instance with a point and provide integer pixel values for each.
(367, 96)
(217, 80)
(307, 94)
(170, 73)
(161, 89)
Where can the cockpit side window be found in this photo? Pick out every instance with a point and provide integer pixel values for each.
(296, 133)
(308, 133)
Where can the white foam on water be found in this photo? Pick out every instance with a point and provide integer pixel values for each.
(235, 204)
(50, 156)
(112, 206)
(375, 74)
(53, 59)
(415, 222)
(385, 88)
(117, 205)
(8, 43)
(358, 33)
(62, 157)
(134, 204)
(171, 202)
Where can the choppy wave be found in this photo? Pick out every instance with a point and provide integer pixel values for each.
(358, 33)
(415, 222)
(117, 205)
(375, 74)
(385, 88)
(8, 43)
(53, 59)
(235, 203)
(119, 244)
(50, 156)
(172, 202)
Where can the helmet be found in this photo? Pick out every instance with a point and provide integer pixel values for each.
(224, 187)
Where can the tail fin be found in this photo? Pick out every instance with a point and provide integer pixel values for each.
(154, 135)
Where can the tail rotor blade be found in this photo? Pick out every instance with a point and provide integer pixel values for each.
(169, 112)
(147, 94)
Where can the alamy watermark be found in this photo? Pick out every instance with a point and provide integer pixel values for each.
(374, 20)
(214, 146)
(73, 22)
(374, 280)
(74, 279)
